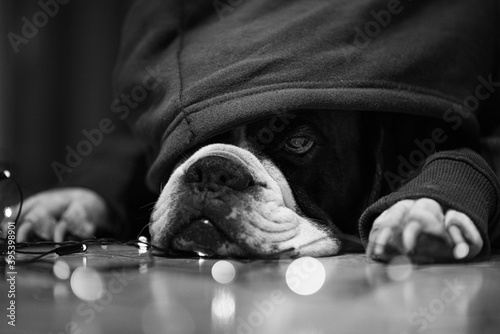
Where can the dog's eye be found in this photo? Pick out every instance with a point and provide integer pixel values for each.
(298, 145)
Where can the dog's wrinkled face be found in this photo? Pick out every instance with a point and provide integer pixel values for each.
(278, 187)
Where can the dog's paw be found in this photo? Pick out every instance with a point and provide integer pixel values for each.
(60, 213)
(421, 230)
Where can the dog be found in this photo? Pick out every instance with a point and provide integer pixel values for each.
(374, 144)
(298, 191)
(250, 182)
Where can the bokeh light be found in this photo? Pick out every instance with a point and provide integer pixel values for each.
(61, 270)
(223, 271)
(61, 291)
(305, 276)
(87, 284)
(143, 247)
(7, 212)
(399, 268)
(223, 308)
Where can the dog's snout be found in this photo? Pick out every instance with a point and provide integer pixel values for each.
(213, 172)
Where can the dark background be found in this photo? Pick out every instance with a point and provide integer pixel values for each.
(56, 85)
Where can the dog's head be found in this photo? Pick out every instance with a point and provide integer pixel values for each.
(289, 185)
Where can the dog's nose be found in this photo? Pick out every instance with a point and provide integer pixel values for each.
(212, 172)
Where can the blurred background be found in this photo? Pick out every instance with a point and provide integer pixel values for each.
(55, 80)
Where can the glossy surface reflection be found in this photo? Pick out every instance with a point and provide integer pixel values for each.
(120, 289)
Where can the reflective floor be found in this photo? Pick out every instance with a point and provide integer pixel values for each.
(120, 289)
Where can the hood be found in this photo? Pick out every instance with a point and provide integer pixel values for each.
(192, 69)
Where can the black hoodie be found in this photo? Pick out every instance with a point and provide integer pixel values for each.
(192, 69)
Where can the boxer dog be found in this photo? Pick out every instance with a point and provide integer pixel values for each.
(292, 185)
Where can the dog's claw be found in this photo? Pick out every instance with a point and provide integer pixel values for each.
(381, 241)
(461, 249)
(410, 234)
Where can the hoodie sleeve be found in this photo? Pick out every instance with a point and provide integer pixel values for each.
(459, 180)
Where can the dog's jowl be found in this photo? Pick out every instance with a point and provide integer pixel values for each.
(234, 198)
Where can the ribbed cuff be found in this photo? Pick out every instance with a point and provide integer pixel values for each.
(459, 180)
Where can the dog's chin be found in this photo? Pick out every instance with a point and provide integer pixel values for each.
(203, 237)
(238, 237)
